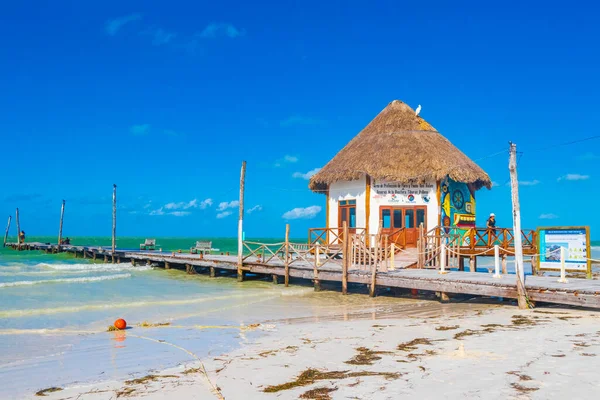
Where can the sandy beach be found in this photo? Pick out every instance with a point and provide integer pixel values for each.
(426, 350)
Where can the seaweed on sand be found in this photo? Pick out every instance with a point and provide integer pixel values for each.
(147, 324)
(148, 378)
(322, 393)
(447, 328)
(312, 375)
(413, 344)
(44, 393)
(366, 356)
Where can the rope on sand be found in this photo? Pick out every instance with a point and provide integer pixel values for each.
(216, 391)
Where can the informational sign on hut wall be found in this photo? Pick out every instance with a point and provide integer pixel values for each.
(400, 193)
(575, 241)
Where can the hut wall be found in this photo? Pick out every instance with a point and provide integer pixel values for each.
(349, 190)
(397, 194)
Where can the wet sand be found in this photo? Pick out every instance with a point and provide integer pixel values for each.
(423, 349)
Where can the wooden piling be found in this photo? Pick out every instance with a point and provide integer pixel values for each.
(240, 275)
(105, 258)
(375, 262)
(114, 219)
(275, 279)
(62, 215)
(212, 272)
(287, 255)
(345, 258)
(317, 283)
(167, 266)
(7, 229)
(18, 228)
(504, 264)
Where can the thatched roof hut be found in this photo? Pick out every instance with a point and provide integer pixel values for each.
(400, 146)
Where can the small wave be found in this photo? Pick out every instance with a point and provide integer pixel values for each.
(66, 280)
(93, 267)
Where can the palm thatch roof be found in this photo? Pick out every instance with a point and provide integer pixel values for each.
(400, 146)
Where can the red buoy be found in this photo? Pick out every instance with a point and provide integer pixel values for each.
(415, 292)
(120, 324)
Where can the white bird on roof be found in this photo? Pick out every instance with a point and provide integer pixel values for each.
(418, 110)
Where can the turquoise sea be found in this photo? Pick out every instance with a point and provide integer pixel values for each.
(55, 310)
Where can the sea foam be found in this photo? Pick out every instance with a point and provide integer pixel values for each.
(66, 280)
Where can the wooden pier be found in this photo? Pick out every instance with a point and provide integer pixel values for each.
(284, 261)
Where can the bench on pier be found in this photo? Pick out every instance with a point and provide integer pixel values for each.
(149, 244)
(202, 247)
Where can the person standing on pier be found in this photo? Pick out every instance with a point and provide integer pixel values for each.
(491, 222)
(22, 237)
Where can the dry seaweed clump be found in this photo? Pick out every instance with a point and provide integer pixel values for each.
(148, 378)
(366, 356)
(44, 393)
(322, 393)
(125, 392)
(112, 328)
(147, 324)
(412, 345)
(447, 328)
(310, 376)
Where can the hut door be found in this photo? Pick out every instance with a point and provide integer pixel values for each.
(346, 213)
(401, 224)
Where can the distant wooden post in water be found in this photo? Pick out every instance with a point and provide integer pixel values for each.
(7, 229)
(346, 258)
(287, 256)
(18, 228)
(62, 215)
(240, 272)
(514, 188)
(114, 225)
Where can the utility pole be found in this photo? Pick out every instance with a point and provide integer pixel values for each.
(514, 188)
(62, 215)
(114, 226)
(7, 229)
(240, 273)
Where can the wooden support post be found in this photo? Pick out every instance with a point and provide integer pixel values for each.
(444, 298)
(62, 215)
(167, 266)
(105, 258)
(7, 229)
(212, 272)
(473, 264)
(316, 269)
(275, 279)
(240, 275)
(94, 253)
(118, 260)
(18, 229)
(133, 262)
(534, 269)
(114, 219)
(287, 255)
(504, 264)
(514, 188)
(461, 263)
(375, 262)
(346, 258)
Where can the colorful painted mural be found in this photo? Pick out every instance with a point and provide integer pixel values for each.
(458, 204)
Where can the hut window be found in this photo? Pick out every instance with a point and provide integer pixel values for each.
(409, 218)
(397, 218)
(386, 218)
(421, 217)
(347, 213)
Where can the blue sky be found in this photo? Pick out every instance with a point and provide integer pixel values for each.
(166, 99)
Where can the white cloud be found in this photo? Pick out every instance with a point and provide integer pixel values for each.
(224, 214)
(290, 159)
(529, 183)
(298, 213)
(573, 177)
(225, 205)
(160, 36)
(495, 184)
(178, 209)
(307, 175)
(113, 26)
(141, 129)
(299, 120)
(255, 208)
(548, 216)
(221, 29)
